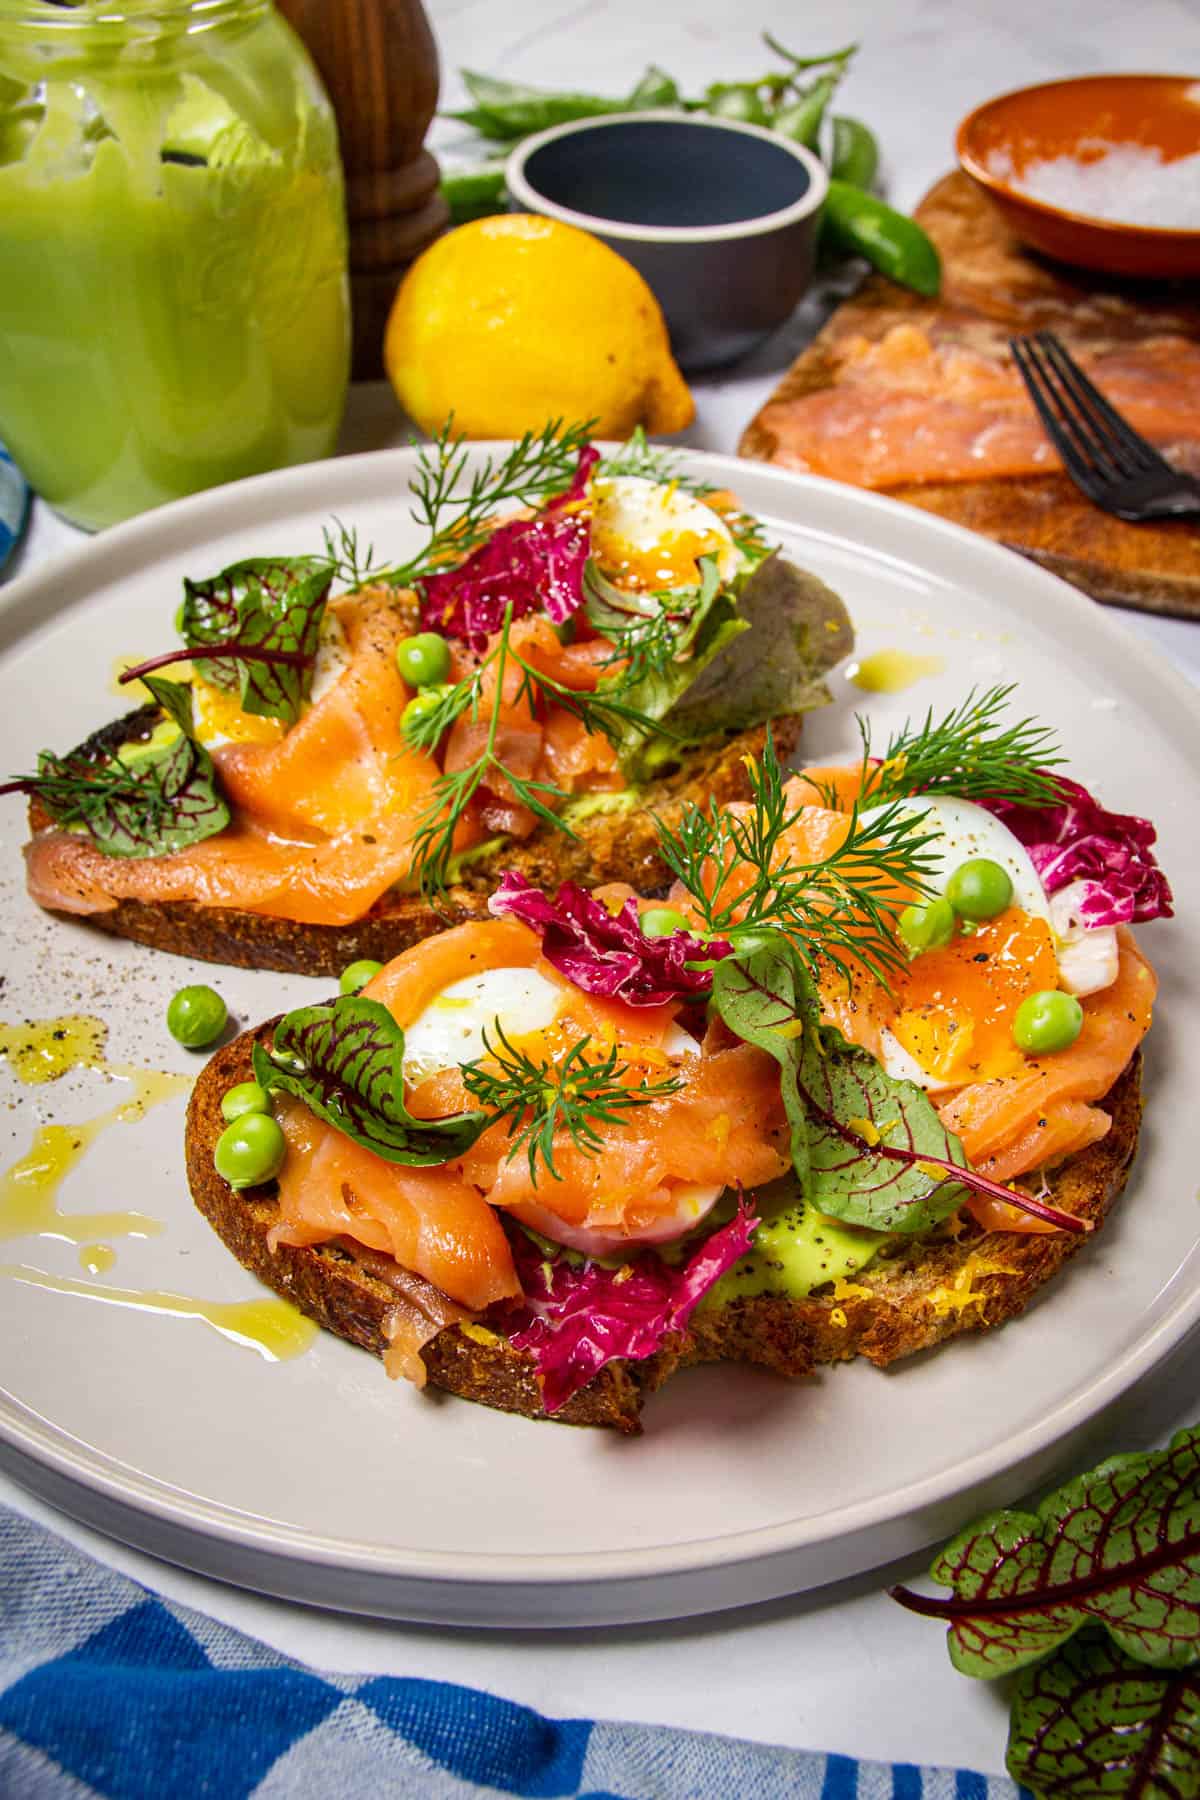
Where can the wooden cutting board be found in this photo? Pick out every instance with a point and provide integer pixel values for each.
(992, 287)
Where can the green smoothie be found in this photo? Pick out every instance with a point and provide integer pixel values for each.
(173, 295)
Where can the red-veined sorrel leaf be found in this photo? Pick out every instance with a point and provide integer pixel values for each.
(1119, 1547)
(880, 1155)
(1091, 1724)
(345, 1059)
(261, 622)
(766, 996)
(137, 798)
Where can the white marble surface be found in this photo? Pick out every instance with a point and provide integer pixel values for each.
(845, 1669)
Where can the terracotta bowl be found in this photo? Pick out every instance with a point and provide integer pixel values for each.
(1069, 118)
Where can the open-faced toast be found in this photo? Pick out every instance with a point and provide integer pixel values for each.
(920, 1294)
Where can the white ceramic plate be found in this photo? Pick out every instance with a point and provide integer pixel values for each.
(319, 1479)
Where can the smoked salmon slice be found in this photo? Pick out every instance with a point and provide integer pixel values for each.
(325, 814)
(906, 408)
(725, 1124)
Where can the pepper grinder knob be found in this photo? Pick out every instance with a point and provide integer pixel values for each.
(379, 63)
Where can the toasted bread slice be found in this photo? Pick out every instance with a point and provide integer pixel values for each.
(929, 1289)
(618, 846)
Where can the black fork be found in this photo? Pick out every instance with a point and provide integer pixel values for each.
(1104, 456)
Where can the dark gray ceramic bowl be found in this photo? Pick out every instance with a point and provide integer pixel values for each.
(720, 218)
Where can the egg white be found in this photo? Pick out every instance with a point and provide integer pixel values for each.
(450, 1032)
(632, 513)
(963, 831)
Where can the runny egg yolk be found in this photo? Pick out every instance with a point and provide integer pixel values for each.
(219, 718)
(956, 1005)
(669, 563)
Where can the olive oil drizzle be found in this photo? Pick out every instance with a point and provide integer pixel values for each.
(891, 671)
(274, 1328)
(42, 1051)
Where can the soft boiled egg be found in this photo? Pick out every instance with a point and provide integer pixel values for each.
(648, 535)
(954, 1005)
(450, 1032)
(220, 720)
(962, 831)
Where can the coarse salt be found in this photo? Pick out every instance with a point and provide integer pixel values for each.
(1131, 184)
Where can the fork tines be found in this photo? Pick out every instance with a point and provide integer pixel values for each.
(1096, 444)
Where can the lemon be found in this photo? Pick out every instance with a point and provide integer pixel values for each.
(510, 321)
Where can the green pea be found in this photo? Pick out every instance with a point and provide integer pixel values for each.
(661, 921)
(357, 974)
(423, 660)
(196, 1016)
(927, 927)
(979, 888)
(1046, 1022)
(862, 225)
(246, 1097)
(420, 708)
(250, 1150)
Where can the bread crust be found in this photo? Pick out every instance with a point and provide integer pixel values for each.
(607, 847)
(907, 1302)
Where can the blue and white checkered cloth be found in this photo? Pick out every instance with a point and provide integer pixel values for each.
(14, 505)
(108, 1689)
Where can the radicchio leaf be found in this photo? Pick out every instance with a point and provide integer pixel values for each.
(532, 565)
(577, 1319)
(1091, 1724)
(1110, 852)
(265, 615)
(606, 953)
(1118, 1547)
(345, 1059)
(142, 799)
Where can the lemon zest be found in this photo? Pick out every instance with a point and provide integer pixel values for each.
(866, 1129)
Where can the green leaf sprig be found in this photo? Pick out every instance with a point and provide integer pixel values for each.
(456, 507)
(840, 910)
(866, 1148)
(1094, 1598)
(972, 753)
(345, 1059)
(141, 799)
(253, 630)
(604, 710)
(575, 1093)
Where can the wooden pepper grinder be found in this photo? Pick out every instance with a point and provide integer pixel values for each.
(379, 62)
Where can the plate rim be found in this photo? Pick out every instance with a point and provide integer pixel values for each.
(39, 594)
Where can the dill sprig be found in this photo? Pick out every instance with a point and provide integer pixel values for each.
(456, 507)
(840, 910)
(75, 788)
(352, 565)
(575, 1093)
(601, 710)
(971, 753)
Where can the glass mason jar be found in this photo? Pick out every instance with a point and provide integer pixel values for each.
(174, 307)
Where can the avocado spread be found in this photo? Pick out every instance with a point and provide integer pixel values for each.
(796, 1249)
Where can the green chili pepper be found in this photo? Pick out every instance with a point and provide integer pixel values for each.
(808, 62)
(736, 100)
(506, 110)
(855, 158)
(802, 119)
(895, 244)
(473, 194)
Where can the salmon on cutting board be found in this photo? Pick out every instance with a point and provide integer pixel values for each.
(920, 399)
